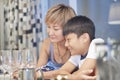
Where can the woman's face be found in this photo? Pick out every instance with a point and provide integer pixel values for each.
(55, 32)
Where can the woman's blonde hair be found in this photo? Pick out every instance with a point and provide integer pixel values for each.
(59, 14)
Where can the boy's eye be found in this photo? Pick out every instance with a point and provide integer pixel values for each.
(68, 40)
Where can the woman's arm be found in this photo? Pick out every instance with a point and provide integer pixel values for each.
(44, 53)
(67, 68)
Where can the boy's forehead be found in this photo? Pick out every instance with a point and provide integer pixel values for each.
(70, 35)
(66, 36)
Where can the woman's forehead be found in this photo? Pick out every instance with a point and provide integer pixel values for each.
(54, 24)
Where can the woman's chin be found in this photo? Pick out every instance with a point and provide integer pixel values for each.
(53, 40)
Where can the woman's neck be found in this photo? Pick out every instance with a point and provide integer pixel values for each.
(61, 43)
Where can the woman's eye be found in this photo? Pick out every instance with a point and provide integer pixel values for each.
(56, 29)
(48, 27)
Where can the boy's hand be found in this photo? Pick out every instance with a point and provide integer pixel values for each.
(83, 75)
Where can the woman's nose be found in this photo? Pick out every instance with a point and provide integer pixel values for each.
(50, 32)
(66, 44)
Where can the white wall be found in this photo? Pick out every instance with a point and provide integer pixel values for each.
(98, 11)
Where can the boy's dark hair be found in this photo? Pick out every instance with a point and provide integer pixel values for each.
(80, 25)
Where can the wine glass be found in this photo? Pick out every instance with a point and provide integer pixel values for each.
(11, 61)
(1, 63)
(28, 59)
(28, 65)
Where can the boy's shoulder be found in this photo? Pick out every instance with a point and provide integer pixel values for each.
(91, 52)
(97, 40)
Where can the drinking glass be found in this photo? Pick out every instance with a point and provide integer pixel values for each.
(28, 59)
(28, 65)
(11, 61)
(108, 60)
(1, 66)
(102, 61)
(115, 58)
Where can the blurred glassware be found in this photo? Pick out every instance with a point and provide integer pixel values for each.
(108, 60)
(114, 50)
(28, 59)
(28, 66)
(102, 61)
(3, 71)
(10, 61)
(60, 77)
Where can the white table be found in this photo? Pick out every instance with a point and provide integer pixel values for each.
(7, 77)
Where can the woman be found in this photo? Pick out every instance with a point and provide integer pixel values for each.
(53, 53)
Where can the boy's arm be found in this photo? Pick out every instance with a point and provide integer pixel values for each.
(86, 71)
(83, 75)
(88, 64)
(90, 61)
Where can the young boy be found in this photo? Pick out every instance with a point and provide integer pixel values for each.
(79, 33)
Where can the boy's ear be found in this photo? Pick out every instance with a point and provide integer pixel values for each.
(85, 37)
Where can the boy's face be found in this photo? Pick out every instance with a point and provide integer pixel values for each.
(75, 44)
